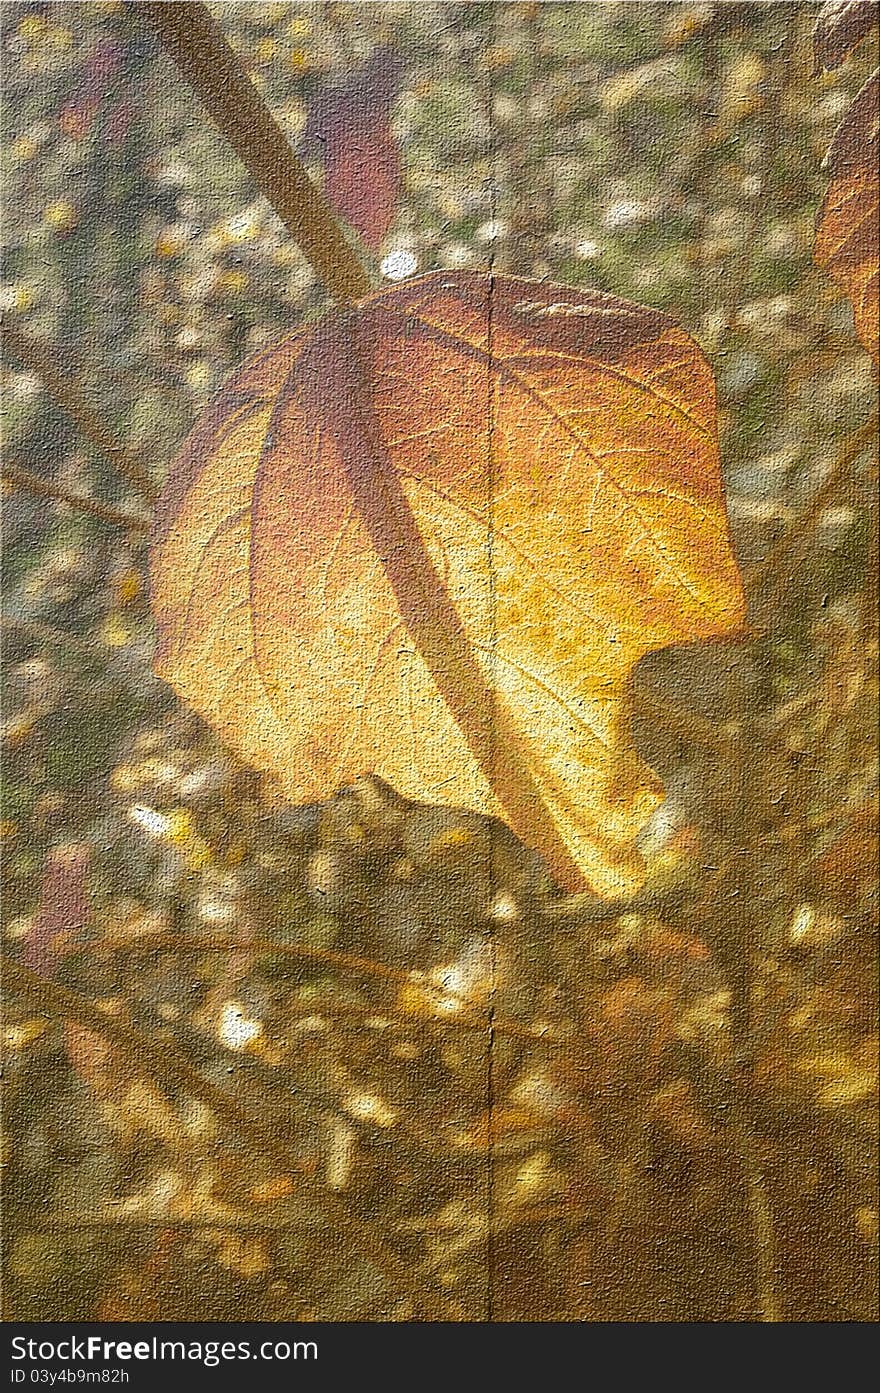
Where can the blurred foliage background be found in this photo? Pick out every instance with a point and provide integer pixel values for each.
(681, 1123)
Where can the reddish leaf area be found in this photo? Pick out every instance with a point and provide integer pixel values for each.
(101, 68)
(63, 912)
(430, 537)
(847, 869)
(840, 27)
(61, 920)
(350, 125)
(848, 230)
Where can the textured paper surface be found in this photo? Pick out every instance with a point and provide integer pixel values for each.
(440, 664)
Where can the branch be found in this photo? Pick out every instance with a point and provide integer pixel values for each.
(44, 633)
(767, 568)
(62, 387)
(721, 736)
(360, 967)
(763, 1227)
(190, 36)
(164, 1063)
(44, 488)
(732, 945)
(216, 1223)
(585, 909)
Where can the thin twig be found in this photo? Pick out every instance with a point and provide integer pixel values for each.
(360, 967)
(218, 1223)
(44, 488)
(190, 36)
(44, 633)
(733, 950)
(767, 568)
(279, 1223)
(62, 387)
(170, 1068)
(763, 1227)
(218, 943)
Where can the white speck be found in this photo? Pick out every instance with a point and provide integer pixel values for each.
(236, 1030)
(244, 225)
(340, 1156)
(504, 908)
(166, 1185)
(540, 1093)
(536, 1177)
(308, 1024)
(467, 982)
(839, 517)
(587, 250)
(24, 385)
(398, 265)
(9, 294)
(804, 918)
(174, 172)
(491, 231)
(215, 910)
(626, 213)
(456, 255)
(369, 1107)
(154, 823)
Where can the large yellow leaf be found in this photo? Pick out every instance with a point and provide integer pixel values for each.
(848, 231)
(430, 537)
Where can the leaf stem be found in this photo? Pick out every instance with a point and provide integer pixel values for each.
(332, 366)
(190, 36)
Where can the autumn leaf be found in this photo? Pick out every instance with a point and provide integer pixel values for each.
(350, 125)
(848, 232)
(430, 537)
(840, 27)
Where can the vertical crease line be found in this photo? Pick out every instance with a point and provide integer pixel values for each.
(493, 639)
